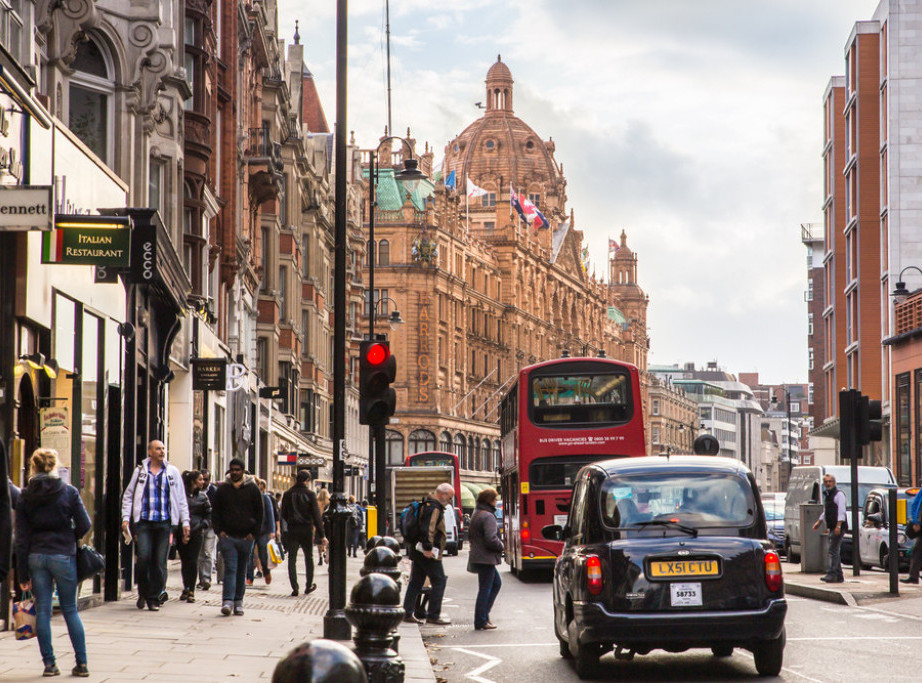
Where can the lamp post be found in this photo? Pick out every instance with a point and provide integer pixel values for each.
(901, 292)
(376, 433)
(600, 348)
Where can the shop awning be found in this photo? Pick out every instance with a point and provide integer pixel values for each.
(11, 87)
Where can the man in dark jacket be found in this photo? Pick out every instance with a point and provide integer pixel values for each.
(206, 555)
(237, 516)
(301, 515)
(427, 557)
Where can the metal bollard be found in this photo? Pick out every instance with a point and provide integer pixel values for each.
(372, 542)
(320, 661)
(382, 560)
(374, 609)
(389, 542)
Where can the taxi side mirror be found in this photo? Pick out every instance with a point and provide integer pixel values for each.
(552, 532)
(875, 518)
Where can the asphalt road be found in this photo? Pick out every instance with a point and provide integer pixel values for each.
(825, 642)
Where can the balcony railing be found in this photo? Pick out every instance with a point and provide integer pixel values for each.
(260, 147)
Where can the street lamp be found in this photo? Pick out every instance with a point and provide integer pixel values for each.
(600, 348)
(393, 319)
(900, 293)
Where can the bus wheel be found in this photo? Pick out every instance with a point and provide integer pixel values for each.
(514, 570)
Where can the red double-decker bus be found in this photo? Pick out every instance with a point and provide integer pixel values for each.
(439, 459)
(559, 416)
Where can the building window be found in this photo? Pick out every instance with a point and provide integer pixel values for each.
(11, 32)
(656, 406)
(264, 259)
(384, 253)
(155, 190)
(307, 411)
(421, 440)
(305, 328)
(394, 448)
(380, 296)
(306, 256)
(489, 225)
(90, 99)
(262, 359)
(283, 202)
(535, 199)
(496, 456)
(903, 431)
(488, 199)
(809, 324)
(461, 451)
(283, 292)
(656, 435)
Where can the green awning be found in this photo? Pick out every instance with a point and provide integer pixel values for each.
(468, 499)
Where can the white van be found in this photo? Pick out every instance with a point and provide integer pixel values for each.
(805, 486)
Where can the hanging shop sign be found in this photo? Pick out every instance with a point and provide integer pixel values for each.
(209, 374)
(26, 207)
(88, 241)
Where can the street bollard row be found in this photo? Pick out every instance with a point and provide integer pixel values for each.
(374, 610)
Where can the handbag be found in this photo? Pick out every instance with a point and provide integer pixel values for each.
(24, 617)
(89, 562)
(275, 553)
(911, 530)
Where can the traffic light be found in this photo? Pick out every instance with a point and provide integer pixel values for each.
(868, 427)
(377, 369)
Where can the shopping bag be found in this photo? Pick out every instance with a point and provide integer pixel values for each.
(275, 553)
(24, 617)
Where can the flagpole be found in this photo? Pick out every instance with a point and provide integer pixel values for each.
(467, 206)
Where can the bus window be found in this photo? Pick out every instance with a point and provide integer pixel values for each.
(556, 473)
(565, 400)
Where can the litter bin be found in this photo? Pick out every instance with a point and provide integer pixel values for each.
(814, 542)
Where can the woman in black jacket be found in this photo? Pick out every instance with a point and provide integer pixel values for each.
(50, 517)
(199, 521)
(486, 552)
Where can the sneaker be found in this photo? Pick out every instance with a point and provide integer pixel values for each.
(164, 596)
(311, 589)
(268, 577)
(294, 592)
(51, 670)
(191, 597)
(486, 627)
(183, 595)
(410, 619)
(249, 582)
(238, 609)
(80, 671)
(908, 580)
(439, 621)
(200, 585)
(205, 585)
(259, 574)
(227, 608)
(153, 606)
(141, 602)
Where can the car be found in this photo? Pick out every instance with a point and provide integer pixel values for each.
(499, 516)
(874, 534)
(667, 553)
(774, 520)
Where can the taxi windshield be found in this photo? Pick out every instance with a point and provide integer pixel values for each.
(696, 499)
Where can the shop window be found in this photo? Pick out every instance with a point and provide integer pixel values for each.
(394, 448)
(421, 440)
(90, 99)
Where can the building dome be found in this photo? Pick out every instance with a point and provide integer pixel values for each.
(500, 149)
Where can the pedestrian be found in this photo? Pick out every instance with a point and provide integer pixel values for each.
(426, 556)
(276, 500)
(237, 517)
(266, 533)
(301, 515)
(486, 552)
(834, 515)
(153, 503)
(207, 555)
(50, 518)
(356, 526)
(6, 519)
(915, 559)
(199, 522)
(323, 500)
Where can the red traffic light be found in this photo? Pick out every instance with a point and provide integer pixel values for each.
(377, 354)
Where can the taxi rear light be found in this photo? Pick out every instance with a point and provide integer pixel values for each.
(526, 533)
(594, 574)
(773, 577)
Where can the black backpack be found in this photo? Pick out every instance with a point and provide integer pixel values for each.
(409, 523)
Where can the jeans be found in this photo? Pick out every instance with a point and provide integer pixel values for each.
(423, 567)
(206, 556)
(152, 542)
(356, 540)
(62, 570)
(915, 559)
(262, 550)
(489, 584)
(835, 561)
(188, 555)
(300, 539)
(235, 552)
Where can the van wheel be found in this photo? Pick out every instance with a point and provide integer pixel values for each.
(769, 655)
(884, 557)
(789, 552)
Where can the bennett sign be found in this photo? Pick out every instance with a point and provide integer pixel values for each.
(26, 207)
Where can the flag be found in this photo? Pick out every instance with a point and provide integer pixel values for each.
(559, 234)
(450, 180)
(515, 204)
(528, 211)
(584, 258)
(473, 191)
(613, 246)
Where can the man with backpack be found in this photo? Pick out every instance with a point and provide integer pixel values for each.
(301, 515)
(424, 534)
(356, 527)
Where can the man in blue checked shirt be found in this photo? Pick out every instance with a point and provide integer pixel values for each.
(915, 560)
(154, 502)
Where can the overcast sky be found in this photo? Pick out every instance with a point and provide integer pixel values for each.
(694, 125)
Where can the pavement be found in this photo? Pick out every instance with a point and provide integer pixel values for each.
(186, 642)
(872, 586)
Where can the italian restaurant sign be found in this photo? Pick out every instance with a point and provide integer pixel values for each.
(26, 207)
(88, 241)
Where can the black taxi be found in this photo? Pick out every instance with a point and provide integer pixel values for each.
(667, 553)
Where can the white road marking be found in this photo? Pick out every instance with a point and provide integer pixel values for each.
(790, 640)
(475, 673)
(458, 647)
(891, 614)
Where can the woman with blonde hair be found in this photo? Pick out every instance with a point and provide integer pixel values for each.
(323, 501)
(50, 518)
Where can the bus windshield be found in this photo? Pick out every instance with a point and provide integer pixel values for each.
(431, 460)
(556, 473)
(595, 398)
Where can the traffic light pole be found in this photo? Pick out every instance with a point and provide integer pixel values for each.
(380, 480)
(849, 448)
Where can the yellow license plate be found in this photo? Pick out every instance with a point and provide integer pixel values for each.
(668, 569)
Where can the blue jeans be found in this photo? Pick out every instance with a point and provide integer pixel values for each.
(489, 584)
(152, 542)
(835, 560)
(62, 570)
(262, 551)
(235, 552)
(423, 567)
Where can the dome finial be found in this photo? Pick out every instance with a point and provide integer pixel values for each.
(297, 35)
(499, 58)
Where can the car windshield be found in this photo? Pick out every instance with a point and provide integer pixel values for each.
(696, 499)
(773, 511)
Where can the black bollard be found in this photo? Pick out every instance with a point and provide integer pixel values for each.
(320, 661)
(372, 542)
(374, 609)
(383, 560)
(335, 625)
(390, 542)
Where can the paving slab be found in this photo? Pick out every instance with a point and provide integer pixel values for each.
(869, 587)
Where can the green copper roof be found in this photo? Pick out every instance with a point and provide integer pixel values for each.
(390, 191)
(616, 315)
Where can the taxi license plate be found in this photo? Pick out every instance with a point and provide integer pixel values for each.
(675, 569)
(685, 594)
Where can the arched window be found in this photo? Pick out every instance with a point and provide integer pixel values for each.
(394, 441)
(473, 445)
(369, 247)
(90, 109)
(421, 440)
(497, 457)
(460, 451)
(384, 253)
(445, 442)
(485, 456)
